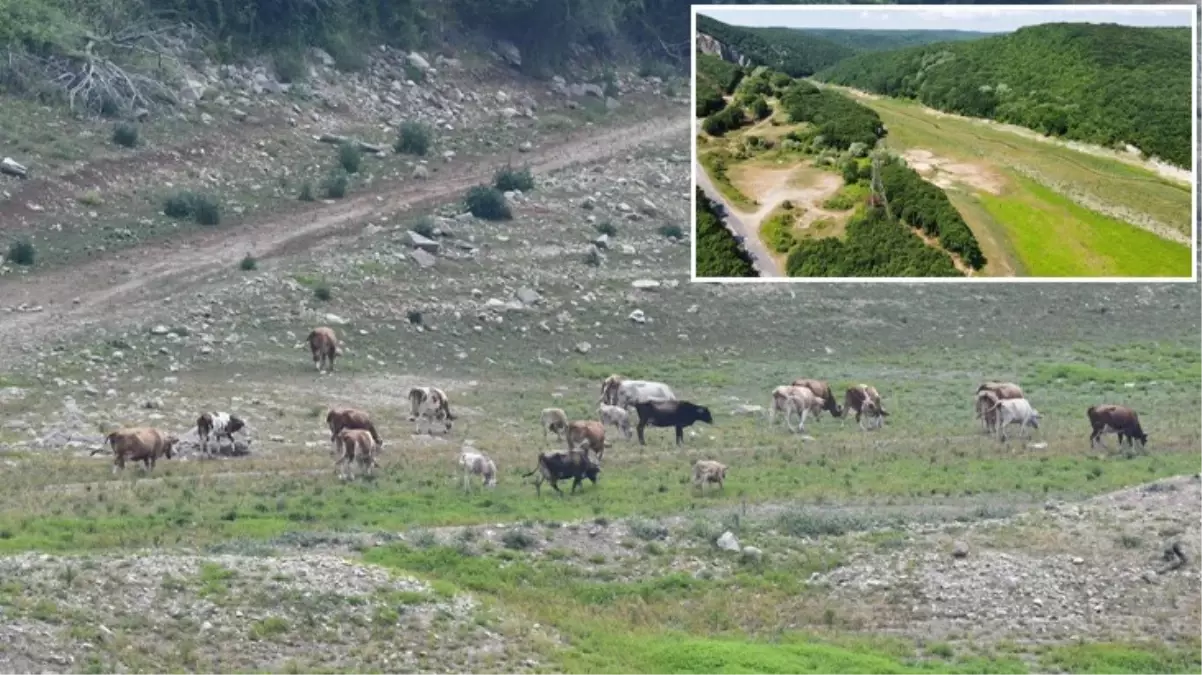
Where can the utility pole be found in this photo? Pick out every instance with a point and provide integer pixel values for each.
(878, 188)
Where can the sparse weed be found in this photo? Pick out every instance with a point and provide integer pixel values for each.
(518, 539)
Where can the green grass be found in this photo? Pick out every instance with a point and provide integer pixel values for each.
(777, 231)
(1054, 237)
(712, 162)
(1115, 658)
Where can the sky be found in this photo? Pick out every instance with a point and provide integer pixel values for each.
(960, 17)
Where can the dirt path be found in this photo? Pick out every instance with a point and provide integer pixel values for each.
(123, 285)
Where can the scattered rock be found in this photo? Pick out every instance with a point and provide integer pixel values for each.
(960, 550)
(728, 542)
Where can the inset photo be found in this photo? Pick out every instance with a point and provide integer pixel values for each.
(945, 142)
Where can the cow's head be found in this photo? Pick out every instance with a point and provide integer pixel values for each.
(592, 470)
(1033, 420)
(169, 444)
(703, 414)
(1141, 437)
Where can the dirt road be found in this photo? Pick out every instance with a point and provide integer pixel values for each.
(74, 297)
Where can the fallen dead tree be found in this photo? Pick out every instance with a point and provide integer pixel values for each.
(364, 147)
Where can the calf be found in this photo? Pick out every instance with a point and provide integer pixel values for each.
(823, 391)
(587, 435)
(429, 403)
(323, 344)
(865, 401)
(708, 471)
(1015, 411)
(338, 419)
(560, 465)
(791, 399)
(1115, 419)
(356, 446)
(478, 464)
(554, 420)
(613, 416)
(679, 414)
(145, 444)
(217, 424)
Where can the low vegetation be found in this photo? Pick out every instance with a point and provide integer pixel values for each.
(414, 138)
(488, 203)
(202, 208)
(509, 179)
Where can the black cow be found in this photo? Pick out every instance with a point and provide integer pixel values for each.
(679, 414)
(562, 465)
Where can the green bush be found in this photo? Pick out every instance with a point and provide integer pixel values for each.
(322, 292)
(22, 253)
(671, 231)
(518, 539)
(508, 178)
(607, 228)
(414, 139)
(249, 264)
(488, 203)
(202, 208)
(414, 73)
(206, 210)
(336, 184)
(289, 65)
(350, 157)
(178, 205)
(423, 226)
(306, 192)
(349, 55)
(126, 134)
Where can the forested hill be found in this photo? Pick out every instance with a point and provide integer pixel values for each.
(885, 40)
(1100, 83)
(784, 50)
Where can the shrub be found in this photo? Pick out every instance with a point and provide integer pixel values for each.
(423, 226)
(348, 56)
(606, 227)
(178, 205)
(592, 257)
(648, 530)
(336, 184)
(126, 134)
(518, 539)
(306, 192)
(414, 139)
(22, 253)
(508, 178)
(671, 231)
(249, 264)
(322, 292)
(289, 65)
(415, 317)
(414, 73)
(488, 203)
(204, 209)
(350, 157)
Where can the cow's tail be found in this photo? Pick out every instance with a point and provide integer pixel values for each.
(446, 410)
(375, 436)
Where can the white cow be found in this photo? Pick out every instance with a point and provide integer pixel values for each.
(1015, 411)
(641, 391)
(789, 399)
(476, 463)
(554, 420)
(613, 416)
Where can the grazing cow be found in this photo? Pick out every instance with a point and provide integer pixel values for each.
(217, 424)
(145, 444)
(1015, 411)
(633, 392)
(1004, 390)
(554, 420)
(984, 406)
(323, 344)
(1115, 419)
(865, 401)
(429, 403)
(477, 463)
(609, 389)
(823, 391)
(679, 414)
(587, 435)
(560, 465)
(791, 399)
(357, 446)
(708, 471)
(338, 419)
(613, 416)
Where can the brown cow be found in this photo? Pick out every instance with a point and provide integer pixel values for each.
(324, 346)
(823, 391)
(1115, 419)
(356, 445)
(338, 419)
(588, 434)
(866, 401)
(145, 444)
(988, 394)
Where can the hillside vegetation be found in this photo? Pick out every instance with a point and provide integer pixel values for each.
(718, 254)
(715, 78)
(886, 40)
(1104, 84)
(780, 49)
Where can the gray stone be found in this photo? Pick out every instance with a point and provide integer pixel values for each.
(422, 258)
(728, 542)
(424, 243)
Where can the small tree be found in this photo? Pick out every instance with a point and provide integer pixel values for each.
(508, 178)
(488, 203)
(22, 253)
(126, 134)
(336, 184)
(414, 139)
(350, 157)
(249, 264)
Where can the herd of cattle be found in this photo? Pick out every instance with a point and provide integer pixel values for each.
(355, 440)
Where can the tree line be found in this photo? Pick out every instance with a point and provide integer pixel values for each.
(874, 246)
(839, 120)
(718, 253)
(925, 206)
(780, 49)
(1105, 84)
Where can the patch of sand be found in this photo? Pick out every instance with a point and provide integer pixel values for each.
(946, 172)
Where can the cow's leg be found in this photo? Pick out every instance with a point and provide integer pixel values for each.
(555, 486)
(679, 434)
(576, 484)
(642, 425)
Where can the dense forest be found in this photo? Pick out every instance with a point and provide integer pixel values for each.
(925, 206)
(886, 40)
(875, 246)
(1105, 84)
(718, 254)
(839, 120)
(715, 78)
(784, 50)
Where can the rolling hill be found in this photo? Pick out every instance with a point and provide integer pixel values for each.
(886, 40)
(780, 49)
(1106, 84)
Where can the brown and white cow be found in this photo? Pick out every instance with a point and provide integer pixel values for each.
(823, 391)
(338, 419)
(145, 444)
(708, 471)
(865, 401)
(356, 446)
(323, 344)
(790, 399)
(429, 403)
(609, 389)
(985, 404)
(588, 435)
(218, 425)
(1108, 418)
